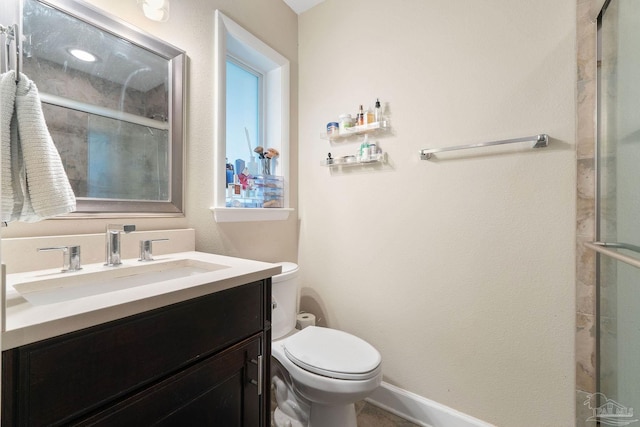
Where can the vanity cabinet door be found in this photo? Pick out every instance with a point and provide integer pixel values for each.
(66, 378)
(220, 391)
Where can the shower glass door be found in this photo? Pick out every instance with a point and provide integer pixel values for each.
(618, 210)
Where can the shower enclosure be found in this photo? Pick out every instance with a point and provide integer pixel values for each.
(618, 214)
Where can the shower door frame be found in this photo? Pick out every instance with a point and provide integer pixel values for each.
(601, 248)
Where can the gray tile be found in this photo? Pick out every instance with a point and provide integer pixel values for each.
(372, 416)
(369, 415)
(585, 352)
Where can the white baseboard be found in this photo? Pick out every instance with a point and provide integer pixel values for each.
(419, 410)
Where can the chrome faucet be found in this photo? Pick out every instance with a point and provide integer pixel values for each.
(113, 242)
(146, 249)
(70, 257)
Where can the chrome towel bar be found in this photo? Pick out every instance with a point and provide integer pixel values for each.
(541, 140)
(617, 245)
(604, 248)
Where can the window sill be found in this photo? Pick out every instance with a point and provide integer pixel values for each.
(250, 214)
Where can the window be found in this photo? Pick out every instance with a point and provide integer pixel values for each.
(251, 91)
(244, 112)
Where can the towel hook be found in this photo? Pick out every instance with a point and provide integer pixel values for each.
(11, 34)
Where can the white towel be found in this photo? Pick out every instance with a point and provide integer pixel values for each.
(7, 102)
(34, 183)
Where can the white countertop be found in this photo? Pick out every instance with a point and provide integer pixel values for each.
(27, 323)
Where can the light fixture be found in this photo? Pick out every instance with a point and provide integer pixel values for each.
(156, 10)
(82, 55)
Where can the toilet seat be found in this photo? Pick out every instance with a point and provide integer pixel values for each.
(332, 353)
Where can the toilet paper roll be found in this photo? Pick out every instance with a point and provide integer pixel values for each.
(305, 319)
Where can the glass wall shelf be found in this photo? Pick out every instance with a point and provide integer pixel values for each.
(348, 161)
(375, 127)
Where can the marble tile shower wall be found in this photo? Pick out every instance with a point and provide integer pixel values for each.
(585, 226)
(62, 80)
(70, 129)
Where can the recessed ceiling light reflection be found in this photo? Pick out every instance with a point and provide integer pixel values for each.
(83, 55)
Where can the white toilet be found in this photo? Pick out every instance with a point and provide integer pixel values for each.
(318, 373)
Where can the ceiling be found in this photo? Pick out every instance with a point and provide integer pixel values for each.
(300, 6)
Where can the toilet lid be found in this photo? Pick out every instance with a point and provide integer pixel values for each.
(332, 353)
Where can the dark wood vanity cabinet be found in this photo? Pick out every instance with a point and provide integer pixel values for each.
(201, 362)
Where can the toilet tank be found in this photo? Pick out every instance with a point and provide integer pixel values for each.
(284, 291)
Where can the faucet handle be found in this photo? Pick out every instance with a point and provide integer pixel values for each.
(120, 228)
(70, 256)
(146, 249)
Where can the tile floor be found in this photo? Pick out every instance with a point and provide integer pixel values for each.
(371, 416)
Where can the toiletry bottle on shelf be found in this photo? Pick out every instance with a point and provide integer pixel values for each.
(230, 188)
(373, 151)
(368, 117)
(364, 149)
(234, 193)
(346, 122)
(229, 178)
(237, 187)
(360, 119)
(377, 112)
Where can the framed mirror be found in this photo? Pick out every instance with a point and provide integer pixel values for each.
(112, 97)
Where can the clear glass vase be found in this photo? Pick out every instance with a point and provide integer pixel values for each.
(266, 166)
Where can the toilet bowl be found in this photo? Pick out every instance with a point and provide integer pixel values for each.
(318, 373)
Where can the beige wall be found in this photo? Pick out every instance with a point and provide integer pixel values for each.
(191, 29)
(460, 271)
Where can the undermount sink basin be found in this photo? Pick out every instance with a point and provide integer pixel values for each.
(69, 286)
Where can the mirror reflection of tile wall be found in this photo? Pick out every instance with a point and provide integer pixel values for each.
(106, 158)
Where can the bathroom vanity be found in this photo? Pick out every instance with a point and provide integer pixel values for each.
(188, 351)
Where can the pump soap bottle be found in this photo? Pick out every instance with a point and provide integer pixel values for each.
(377, 112)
